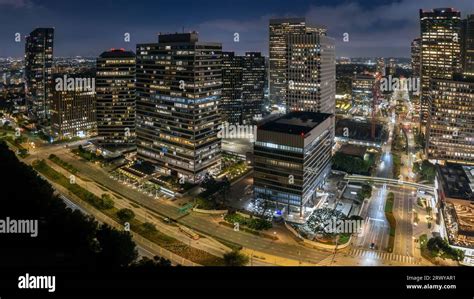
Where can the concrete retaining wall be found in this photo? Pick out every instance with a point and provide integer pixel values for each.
(212, 212)
(316, 244)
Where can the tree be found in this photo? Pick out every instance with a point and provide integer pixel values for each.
(107, 202)
(23, 152)
(235, 259)
(438, 246)
(125, 215)
(117, 249)
(364, 192)
(208, 182)
(350, 164)
(426, 170)
(149, 227)
(224, 188)
(261, 205)
(416, 167)
(152, 265)
(68, 240)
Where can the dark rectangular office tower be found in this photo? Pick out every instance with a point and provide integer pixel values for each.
(243, 79)
(38, 73)
(179, 82)
(440, 50)
(416, 57)
(253, 85)
(115, 88)
(292, 159)
(230, 104)
(467, 40)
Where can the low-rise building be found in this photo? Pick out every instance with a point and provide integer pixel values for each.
(455, 191)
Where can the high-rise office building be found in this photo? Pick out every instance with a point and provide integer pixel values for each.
(311, 73)
(292, 159)
(115, 87)
(279, 31)
(179, 82)
(253, 84)
(380, 68)
(243, 83)
(38, 73)
(362, 87)
(392, 67)
(230, 104)
(440, 50)
(73, 112)
(467, 42)
(450, 126)
(416, 57)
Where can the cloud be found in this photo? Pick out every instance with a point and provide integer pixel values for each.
(16, 3)
(380, 29)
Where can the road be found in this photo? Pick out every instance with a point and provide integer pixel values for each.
(239, 198)
(201, 223)
(409, 158)
(385, 165)
(376, 228)
(205, 244)
(403, 212)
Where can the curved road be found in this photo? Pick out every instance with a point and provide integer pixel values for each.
(202, 223)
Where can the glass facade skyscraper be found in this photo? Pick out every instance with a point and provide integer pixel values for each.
(179, 82)
(38, 73)
(440, 50)
(115, 87)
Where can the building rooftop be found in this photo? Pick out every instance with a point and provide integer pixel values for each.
(457, 180)
(440, 10)
(115, 53)
(360, 130)
(364, 77)
(353, 150)
(287, 20)
(297, 123)
(191, 37)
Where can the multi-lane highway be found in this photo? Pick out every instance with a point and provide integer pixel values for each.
(403, 212)
(376, 228)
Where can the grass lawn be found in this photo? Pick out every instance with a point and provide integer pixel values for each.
(391, 220)
(63, 164)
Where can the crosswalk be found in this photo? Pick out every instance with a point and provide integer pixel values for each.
(386, 256)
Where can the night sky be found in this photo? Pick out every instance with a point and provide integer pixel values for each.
(88, 27)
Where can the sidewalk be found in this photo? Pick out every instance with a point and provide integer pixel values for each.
(256, 257)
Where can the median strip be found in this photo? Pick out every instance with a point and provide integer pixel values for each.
(193, 254)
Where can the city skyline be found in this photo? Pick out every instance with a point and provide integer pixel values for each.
(255, 134)
(384, 29)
